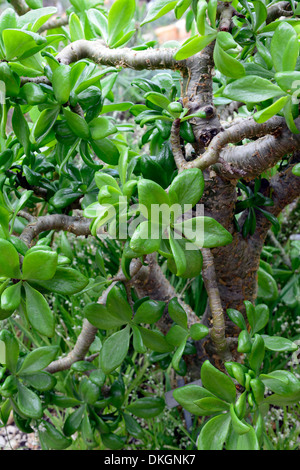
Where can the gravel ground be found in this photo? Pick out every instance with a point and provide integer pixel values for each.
(11, 438)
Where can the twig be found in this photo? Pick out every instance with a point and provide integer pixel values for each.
(278, 245)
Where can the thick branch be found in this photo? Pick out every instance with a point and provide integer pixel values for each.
(152, 282)
(88, 332)
(277, 10)
(138, 60)
(199, 97)
(54, 23)
(254, 158)
(77, 225)
(81, 348)
(19, 6)
(234, 134)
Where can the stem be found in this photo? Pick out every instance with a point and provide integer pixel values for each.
(217, 333)
(176, 145)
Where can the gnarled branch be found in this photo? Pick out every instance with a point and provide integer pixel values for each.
(77, 225)
(234, 134)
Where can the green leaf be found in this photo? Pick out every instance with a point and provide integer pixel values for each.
(120, 16)
(237, 318)
(181, 7)
(212, 405)
(267, 287)
(270, 111)
(252, 89)
(20, 204)
(284, 48)
(99, 22)
(187, 188)
(158, 9)
(257, 353)
(261, 317)
(22, 44)
(278, 343)
(288, 115)
(33, 94)
(176, 335)
(177, 313)
(250, 312)
(77, 124)
(261, 14)
(158, 99)
(61, 83)
(101, 318)
(137, 340)
(151, 194)
(102, 127)
(201, 16)
(28, 402)
(40, 265)
(154, 340)
(21, 129)
(42, 381)
(11, 297)
(112, 441)
(244, 342)
(76, 29)
(11, 350)
(178, 254)
(248, 441)
(66, 281)
(287, 80)
(88, 391)
(148, 407)
(226, 64)
(296, 169)
(9, 261)
(37, 360)
(217, 383)
(38, 312)
(35, 18)
(133, 427)
(149, 312)
(282, 382)
(214, 433)
(270, 217)
(198, 331)
(178, 355)
(146, 239)
(194, 45)
(73, 421)
(204, 232)
(106, 151)
(118, 306)
(114, 350)
(51, 438)
(189, 394)
(44, 123)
